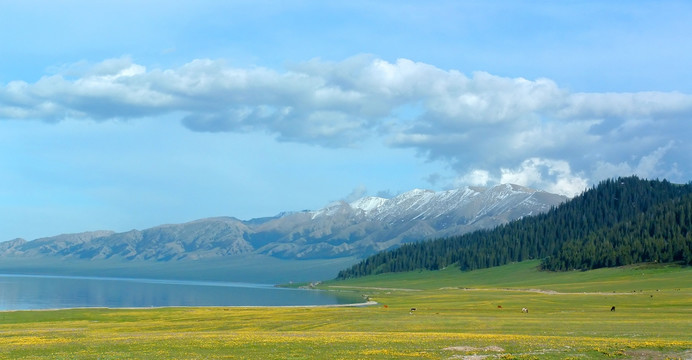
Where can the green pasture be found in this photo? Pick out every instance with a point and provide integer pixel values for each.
(475, 315)
(525, 275)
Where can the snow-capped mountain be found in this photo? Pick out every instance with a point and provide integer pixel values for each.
(473, 203)
(359, 228)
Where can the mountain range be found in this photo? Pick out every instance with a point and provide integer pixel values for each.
(341, 229)
(620, 222)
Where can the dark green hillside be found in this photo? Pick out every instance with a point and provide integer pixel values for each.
(619, 222)
(661, 234)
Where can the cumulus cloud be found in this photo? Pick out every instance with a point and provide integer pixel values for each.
(650, 165)
(477, 177)
(486, 127)
(550, 175)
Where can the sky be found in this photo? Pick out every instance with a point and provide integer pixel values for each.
(119, 115)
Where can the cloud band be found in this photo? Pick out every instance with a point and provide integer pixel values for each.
(479, 124)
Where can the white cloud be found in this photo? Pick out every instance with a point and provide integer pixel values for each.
(550, 175)
(651, 165)
(479, 124)
(625, 105)
(474, 178)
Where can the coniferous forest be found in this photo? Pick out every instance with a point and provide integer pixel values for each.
(619, 222)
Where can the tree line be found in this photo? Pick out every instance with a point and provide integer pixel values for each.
(618, 222)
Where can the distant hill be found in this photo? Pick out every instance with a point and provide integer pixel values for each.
(619, 222)
(357, 229)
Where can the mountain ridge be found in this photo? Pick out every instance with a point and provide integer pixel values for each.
(340, 229)
(619, 222)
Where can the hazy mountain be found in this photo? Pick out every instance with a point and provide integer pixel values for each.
(341, 229)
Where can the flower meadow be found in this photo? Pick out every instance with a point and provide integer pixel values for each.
(464, 319)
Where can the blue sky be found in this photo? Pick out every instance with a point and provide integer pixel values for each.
(130, 114)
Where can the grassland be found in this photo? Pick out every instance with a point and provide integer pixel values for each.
(458, 316)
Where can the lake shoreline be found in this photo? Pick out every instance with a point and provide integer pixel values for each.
(367, 303)
(22, 292)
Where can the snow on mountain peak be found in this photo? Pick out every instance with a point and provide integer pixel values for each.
(416, 193)
(331, 209)
(368, 203)
(422, 203)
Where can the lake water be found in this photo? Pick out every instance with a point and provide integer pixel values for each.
(29, 292)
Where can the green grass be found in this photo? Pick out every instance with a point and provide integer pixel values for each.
(526, 275)
(456, 317)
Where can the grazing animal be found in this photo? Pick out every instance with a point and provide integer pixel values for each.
(499, 306)
(525, 310)
(413, 309)
(612, 308)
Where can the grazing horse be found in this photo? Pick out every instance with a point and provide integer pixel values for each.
(525, 310)
(612, 308)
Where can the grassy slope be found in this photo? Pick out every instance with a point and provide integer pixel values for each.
(457, 315)
(526, 275)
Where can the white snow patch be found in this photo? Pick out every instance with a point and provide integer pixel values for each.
(369, 203)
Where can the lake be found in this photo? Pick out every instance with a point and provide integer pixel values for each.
(31, 292)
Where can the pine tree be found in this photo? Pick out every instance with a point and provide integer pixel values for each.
(619, 222)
